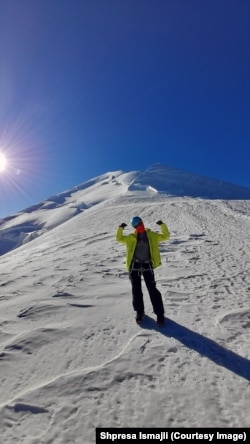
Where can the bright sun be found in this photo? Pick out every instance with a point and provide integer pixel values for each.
(3, 162)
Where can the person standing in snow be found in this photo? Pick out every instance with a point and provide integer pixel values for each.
(142, 256)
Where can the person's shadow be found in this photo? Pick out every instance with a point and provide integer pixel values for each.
(205, 346)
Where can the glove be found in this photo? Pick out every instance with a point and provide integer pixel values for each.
(123, 225)
(159, 222)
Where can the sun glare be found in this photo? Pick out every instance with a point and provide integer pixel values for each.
(3, 162)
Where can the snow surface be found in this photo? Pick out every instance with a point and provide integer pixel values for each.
(72, 357)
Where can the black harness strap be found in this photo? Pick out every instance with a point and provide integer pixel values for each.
(140, 267)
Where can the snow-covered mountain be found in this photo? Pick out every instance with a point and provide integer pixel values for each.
(156, 182)
(72, 357)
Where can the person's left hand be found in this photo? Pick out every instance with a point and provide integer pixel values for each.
(123, 225)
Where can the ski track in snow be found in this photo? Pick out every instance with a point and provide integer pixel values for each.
(72, 357)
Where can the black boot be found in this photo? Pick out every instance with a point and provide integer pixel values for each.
(160, 320)
(139, 317)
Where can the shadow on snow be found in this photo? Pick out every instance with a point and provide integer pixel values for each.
(204, 346)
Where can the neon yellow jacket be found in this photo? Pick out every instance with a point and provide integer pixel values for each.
(154, 238)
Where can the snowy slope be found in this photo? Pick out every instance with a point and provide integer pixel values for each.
(72, 357)
(34, 221)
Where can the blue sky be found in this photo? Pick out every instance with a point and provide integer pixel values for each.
(93, 86)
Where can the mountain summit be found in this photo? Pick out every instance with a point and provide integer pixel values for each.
(153, 183)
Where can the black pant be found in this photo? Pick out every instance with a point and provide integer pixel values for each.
(138, 270)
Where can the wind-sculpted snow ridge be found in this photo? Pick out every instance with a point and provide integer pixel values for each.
(32, 222)
(180, 183)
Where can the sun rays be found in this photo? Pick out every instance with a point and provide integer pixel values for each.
(3, 162)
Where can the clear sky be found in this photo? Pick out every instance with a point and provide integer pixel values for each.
(90, 86)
